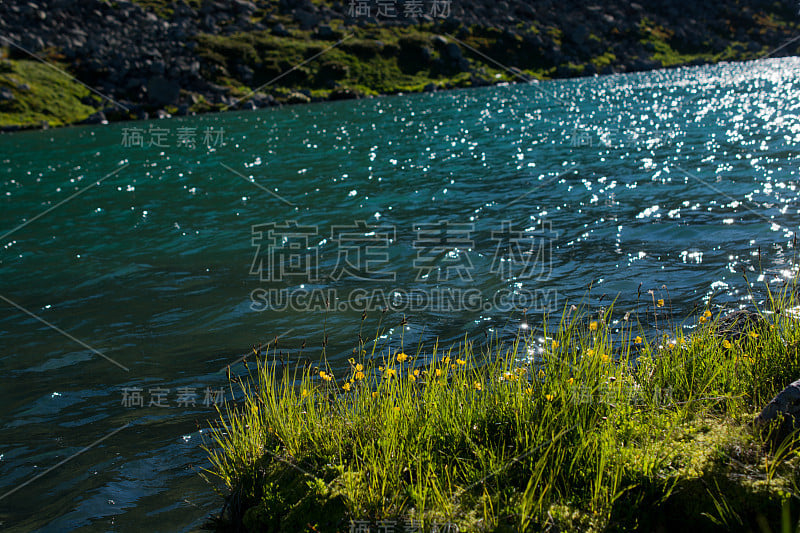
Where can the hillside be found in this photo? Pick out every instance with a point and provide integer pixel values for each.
(153, 58)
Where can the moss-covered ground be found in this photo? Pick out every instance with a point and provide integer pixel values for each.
(41, 95)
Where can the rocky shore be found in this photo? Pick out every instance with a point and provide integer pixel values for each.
(152, 58)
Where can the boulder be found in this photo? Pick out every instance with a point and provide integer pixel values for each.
(438, 41)
(736, 325)
(279, 30)
(297, 98)
(325, 32)
(162, 91)
(96, 118)
(453, 51)
(306, 19)
(782, 414)
(344, 93)
(262, 100)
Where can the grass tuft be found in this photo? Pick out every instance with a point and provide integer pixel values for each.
(599, 428)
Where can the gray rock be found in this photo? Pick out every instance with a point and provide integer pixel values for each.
(738, 324)
(324, 31)
(344, 93)
(263, 100)
(297, 98)
(453, 51)
(306, 19)
(6, 95)
(782, 415)
(162, 91)
(157, 67)
(241, 6)
(96, 118)
(439, 41)
(578, 34)
(477, 81)
(279, 30)
(183, 10)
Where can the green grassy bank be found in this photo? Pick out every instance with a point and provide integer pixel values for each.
(43, 95)
(599, 431)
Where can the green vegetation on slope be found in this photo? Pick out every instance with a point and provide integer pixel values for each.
(292, 53)
(41, 95)
(370, 61)
(596, 433)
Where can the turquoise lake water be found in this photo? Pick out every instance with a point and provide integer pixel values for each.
(139, 260)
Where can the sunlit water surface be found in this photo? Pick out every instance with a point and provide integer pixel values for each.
(675, 182)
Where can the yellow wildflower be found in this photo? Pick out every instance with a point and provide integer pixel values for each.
(555, 344)
(303, 393)
(478, 385)
(590, 352)
(727, 344)
(707, 314)
(593, 326)
(660, 303)
(605, 358)
(570, 381)
(446, 359)
(438, 372)
(412, 378)
(346, 387)
(702, 320)
(325, 376)
(359, 376)
(375, 394)
(753, 335)
(359, 367)
(637, 340)
(541, 374)
(401, 357)
(528, 390)
(549, 397)
(391, 372)
(461, 362)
